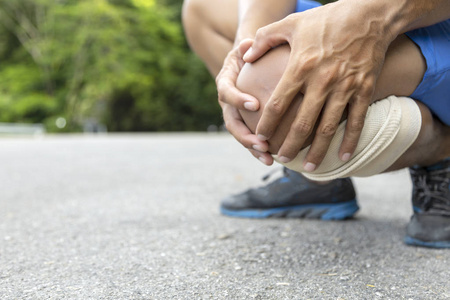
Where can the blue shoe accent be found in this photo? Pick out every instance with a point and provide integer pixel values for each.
(339, 211)
(293, 196)
(417, 209)
(415, 242)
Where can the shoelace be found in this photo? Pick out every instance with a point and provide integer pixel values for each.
(432, 190)
(270, 174)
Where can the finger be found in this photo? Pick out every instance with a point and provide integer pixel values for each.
(244, 45)
(228, 93)
(355, 124)
(329, 122)
(263, 157)
(304, 123)
(280, 100)
(239, 130)
(266, 38)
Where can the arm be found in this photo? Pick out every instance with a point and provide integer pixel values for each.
(337, 53)
(418, 13)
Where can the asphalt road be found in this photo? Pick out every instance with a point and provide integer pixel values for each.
(136, 217)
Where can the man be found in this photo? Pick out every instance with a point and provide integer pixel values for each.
(337, 55)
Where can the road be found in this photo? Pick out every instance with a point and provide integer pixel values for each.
(135, 216)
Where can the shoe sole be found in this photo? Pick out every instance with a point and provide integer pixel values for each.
(415, 242)
(339, 211)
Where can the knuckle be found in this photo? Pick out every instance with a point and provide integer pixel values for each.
(275, 107)
(220, 97)
(328, 130)
(328, 76)
(226, 123)
(261, 32)
(224, 94)
(327, 79)
(348, 84)
(357, 124)
(367, 88)
(302, 127)
(219, 84)
(307, 65)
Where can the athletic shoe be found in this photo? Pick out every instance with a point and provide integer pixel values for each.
(294, 196)
(430, 224)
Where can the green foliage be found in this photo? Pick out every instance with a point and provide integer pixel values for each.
(124, 62)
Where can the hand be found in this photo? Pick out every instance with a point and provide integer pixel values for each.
(231, 100)
(236, 126)
(337, 52)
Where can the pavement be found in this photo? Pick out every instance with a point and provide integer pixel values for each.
(135, 216)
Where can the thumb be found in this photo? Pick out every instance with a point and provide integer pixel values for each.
(244, 45)
(266, 38)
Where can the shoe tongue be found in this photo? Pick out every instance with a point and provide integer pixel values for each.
(271, 173)
(291, 173)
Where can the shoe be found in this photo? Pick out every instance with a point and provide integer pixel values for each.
(430, 224)
(294, 196)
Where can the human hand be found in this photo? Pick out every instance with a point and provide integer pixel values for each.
(337, 52)
(231, 100)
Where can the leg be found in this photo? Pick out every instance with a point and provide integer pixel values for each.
(210, 27)
(403, 70)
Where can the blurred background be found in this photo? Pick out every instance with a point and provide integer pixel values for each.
(97, 65)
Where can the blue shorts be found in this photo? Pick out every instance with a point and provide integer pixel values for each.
(434, 42)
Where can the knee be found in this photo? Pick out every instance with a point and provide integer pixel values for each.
(259, 79)
(192, 16)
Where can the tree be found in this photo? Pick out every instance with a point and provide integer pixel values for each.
(124, 62)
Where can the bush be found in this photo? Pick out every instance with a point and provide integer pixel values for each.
(122, 62)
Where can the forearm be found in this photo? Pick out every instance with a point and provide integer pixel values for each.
(254, 14)
(399, 16)
(421, 13)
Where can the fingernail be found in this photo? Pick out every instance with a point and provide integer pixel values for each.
(258, 148)
(262, 137)
(250, 106)
(284, 159)
(248, 53)
(263, 160)
(309, 167)
(346, 156)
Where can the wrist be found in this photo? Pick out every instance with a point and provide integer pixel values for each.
(399, 16)
(385, 17)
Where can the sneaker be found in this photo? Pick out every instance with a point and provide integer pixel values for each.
(294, 196)
(430, 224)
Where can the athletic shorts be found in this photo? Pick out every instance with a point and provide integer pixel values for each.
(434, 42)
